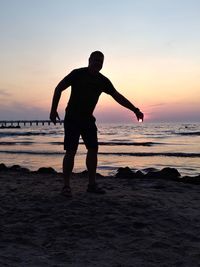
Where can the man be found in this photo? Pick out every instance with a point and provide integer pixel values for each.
(86, 86)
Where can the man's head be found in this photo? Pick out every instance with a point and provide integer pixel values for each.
(96, 61)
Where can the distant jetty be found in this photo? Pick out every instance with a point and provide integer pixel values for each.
(16, 123)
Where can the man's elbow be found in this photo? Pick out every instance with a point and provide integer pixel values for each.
(117, 96)
(58, 89)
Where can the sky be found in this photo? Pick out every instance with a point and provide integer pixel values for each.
(151, 50)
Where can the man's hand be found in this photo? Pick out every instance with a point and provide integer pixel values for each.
(53, 116)
(139, 114)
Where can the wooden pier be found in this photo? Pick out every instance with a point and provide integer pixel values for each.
(13, 123)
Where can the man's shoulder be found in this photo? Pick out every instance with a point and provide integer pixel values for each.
(75, 73)
(80, 70)
(103, 77)
(108, 86)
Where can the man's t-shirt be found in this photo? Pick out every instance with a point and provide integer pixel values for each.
(85, 91)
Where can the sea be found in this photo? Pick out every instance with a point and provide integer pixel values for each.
(139, 146)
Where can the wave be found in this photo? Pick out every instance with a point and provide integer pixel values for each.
(7, 143)
(136, 154)
(189, 133)
(6, 134)
(32, 152)
(128, 143)
(153, 154)
(44, 133)
(117, 143)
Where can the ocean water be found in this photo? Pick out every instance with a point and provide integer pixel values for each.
(139, 146)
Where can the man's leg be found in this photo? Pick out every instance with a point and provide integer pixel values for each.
(91, 163)
(71, 140)
(89, 135)
(68, 164)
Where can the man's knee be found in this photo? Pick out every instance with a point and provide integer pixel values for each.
(93, 150)
(70, 154)
(92, 153)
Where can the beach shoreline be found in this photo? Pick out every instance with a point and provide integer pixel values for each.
(142, 221)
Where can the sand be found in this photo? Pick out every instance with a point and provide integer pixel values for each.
(138, 222)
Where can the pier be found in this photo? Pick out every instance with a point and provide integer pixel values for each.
(14, 123)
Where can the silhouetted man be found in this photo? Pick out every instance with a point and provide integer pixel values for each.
(86, 86)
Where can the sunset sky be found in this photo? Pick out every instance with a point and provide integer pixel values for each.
(151, 48)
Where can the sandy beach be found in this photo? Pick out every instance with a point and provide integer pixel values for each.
(140, 222)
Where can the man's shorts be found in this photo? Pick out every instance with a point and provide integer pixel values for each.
(75, 128)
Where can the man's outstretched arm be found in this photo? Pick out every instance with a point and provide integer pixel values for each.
(56, 97)
(127, 104)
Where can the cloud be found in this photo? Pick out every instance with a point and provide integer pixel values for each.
(20, 110)
(4, 92)
(158, 105)
(119, 115)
